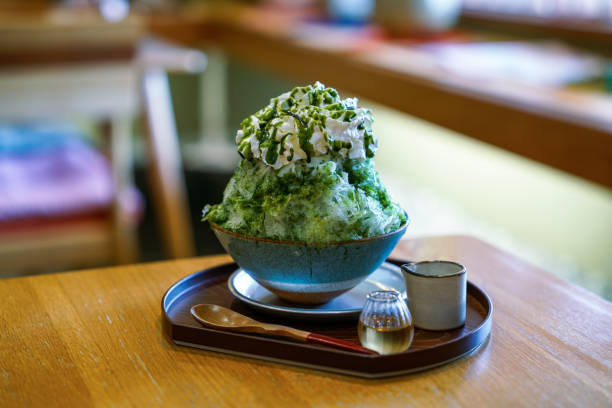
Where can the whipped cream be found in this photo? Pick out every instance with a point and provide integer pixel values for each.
(306, 122)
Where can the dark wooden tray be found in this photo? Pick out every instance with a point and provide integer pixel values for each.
(429, 348)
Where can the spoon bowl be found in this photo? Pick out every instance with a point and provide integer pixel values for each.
(220, 317)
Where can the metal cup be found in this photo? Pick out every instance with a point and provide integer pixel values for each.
(436, 294)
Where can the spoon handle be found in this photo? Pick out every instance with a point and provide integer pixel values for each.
(308, 337)
(330, 341)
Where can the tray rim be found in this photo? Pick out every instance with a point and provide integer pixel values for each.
(370, 366)
(353, 373)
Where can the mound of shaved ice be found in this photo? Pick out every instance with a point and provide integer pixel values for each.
(322, 198)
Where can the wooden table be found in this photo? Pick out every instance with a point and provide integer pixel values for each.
(94, 338)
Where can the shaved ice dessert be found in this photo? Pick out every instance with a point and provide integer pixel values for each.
(307, 173)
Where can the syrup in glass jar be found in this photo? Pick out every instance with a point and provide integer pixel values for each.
(385, 323)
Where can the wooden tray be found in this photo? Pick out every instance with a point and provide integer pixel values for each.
(429, 348)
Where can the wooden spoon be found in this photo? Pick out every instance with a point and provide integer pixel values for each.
(222, 318)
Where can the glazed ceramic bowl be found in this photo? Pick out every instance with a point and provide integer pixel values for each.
(308, 273)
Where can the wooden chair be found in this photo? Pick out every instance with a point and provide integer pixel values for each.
(110, 92)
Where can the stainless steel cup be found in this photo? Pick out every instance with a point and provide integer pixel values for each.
(436, 293)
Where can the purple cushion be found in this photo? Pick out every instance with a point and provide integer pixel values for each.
(48, 179)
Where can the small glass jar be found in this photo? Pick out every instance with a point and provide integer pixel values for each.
(385, 323)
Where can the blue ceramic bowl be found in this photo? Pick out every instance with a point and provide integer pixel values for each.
(308, 273)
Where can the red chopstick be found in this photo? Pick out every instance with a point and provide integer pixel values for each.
(341, 344)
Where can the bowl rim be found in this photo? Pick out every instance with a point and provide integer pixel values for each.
(312, 244)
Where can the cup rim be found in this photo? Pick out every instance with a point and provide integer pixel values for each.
(394, 296)
(406, 268)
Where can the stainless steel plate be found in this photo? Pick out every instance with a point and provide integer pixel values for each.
(346, 306)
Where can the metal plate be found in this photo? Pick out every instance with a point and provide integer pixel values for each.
(346, 306)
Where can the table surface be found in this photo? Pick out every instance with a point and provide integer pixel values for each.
(94, 338)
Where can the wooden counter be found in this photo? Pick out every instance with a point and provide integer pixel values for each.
(94, 338)
(567, 129)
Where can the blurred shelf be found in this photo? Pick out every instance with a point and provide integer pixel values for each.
(60, 36)
(568, 129)
(584, 31)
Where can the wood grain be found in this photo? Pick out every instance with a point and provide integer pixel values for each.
(94, 338)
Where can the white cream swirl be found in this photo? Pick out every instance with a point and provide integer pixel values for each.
(308, 121)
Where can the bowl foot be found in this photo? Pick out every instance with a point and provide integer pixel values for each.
(307, 298)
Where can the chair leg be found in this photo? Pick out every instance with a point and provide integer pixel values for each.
(125, 235)
(165, 168)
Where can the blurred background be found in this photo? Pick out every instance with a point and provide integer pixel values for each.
(118, 118)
